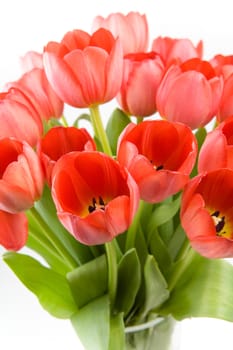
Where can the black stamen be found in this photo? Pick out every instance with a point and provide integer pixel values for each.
(160, 167)
(95, 205)
(91, 208)
(101, 201)
(220, 225)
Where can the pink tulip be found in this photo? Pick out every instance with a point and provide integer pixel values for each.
(31, 60)
(59, 141)
(132, 29)
(13, 230)
(85, 70)
(35, 86)
(217, 149)
(190, 93)
(207, 213)
(142, 75)
(21, 176)
(18, 117)
(226, 103)
(223, 65)
(95, 197)
(172, 50)
(159, 155)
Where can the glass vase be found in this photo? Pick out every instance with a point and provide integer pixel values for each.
(158, 334)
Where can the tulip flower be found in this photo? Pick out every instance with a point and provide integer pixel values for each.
(36, 88)
(13, 230)
(85, 70)
(59, 141)
(190, 93)
(30, 60)
(18, 117)
(226, 103)
(180, 50)
(96, 198)
(223, 65)
(207, 213)
(132, 29)
(21, 176)
(217, 149)
(142, 75)
(159, 155)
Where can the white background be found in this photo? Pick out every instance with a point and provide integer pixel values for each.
(28, 25)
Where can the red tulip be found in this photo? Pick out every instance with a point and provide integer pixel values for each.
(217, 149)
(36, 88)
(59, 141)
(95, 197)
(159, 155)
(180, 50)
(85, 70)
(13, 230)
(142, 75)
(132, 29)
(21, 176)
(207, 213)
(190, 93)
(18, 117)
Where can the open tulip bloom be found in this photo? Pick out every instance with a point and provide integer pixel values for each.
(133, 219)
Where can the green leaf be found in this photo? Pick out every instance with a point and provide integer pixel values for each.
(117, 334)
(116, 123)
(89, 281)
(51, 288)
(46, 208)
(176, 242)
(129, 279)
(164, 212)
(156, 291)
(92, 324)
(204, 289)
(83, 116)
(54, 261)
(160, 251)
(39, 243)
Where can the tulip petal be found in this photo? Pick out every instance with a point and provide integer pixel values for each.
(213, 153)
(63, 80)
(88, 67)
(13, 230)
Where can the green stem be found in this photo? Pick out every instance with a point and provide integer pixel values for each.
(139, 119)
(133, 229)
(64, 121)
(112, 270)
(99, 129)
(48, 233)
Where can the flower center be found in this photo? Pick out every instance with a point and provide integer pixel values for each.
(157, 167)
(221, 226)
(96, 205)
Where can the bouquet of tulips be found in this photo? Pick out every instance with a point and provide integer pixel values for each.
(131, 214)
